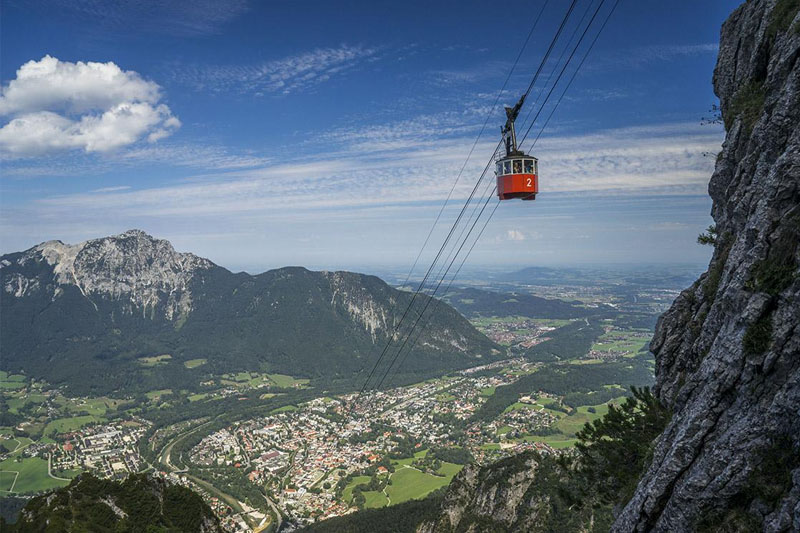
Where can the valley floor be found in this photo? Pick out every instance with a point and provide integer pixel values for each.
(304, 455)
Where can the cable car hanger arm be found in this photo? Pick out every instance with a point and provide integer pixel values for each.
(508, 131)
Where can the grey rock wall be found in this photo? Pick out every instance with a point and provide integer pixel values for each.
(728, 351)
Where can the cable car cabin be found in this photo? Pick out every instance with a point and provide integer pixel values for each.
(517, 177)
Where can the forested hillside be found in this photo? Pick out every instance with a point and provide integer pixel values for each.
(130, 311)
(475, 303)
(138, 504)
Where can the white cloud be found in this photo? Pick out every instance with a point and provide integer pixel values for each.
(58, 105)
(515, 235)
(281, 76)
(663, 159)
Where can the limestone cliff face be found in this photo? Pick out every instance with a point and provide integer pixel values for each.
(728, 351)
(134, 269)
(509, 495)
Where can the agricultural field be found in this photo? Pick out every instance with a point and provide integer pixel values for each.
(26, 476)
(12, 443)
(408, 460)
(194, 363)
(17, 400)
(23, 475)
(408, 483)
(12, 381)
(254, 380)
(66, 425)
(626, 342)
(93, 406)
(347, 493)
(157, 394)
(284, 382)
(375, 499)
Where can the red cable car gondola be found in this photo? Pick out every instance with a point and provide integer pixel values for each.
(517, 173)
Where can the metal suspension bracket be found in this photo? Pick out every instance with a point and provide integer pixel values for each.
(509, 131)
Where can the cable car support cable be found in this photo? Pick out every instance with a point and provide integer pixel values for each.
(486, 121)
(458, 219)
(515, 111)
(491, 214)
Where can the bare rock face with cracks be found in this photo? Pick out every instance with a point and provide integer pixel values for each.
(728, 351)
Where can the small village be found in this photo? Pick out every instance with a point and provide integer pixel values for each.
(107, 450)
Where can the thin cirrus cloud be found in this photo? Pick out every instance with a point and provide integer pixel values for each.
(642, 56)
(196, 156)
(346, 195)
(281, 76)
(661, 159)
(54, 105)
(184, 19)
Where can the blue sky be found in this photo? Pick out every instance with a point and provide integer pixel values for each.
(328, 134)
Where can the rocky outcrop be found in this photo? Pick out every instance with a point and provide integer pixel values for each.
(521, 493)
(486, 498)
(133, 267)
(107, 304)
(349, 293)
(728, 351)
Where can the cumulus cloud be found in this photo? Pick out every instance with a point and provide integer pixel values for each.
(57, 105)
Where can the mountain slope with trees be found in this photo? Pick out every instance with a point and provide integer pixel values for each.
(140, 503)
(97, 308)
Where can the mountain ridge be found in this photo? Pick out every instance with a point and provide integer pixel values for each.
(116, 299)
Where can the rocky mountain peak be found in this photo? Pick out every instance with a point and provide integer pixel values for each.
(133, 266)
